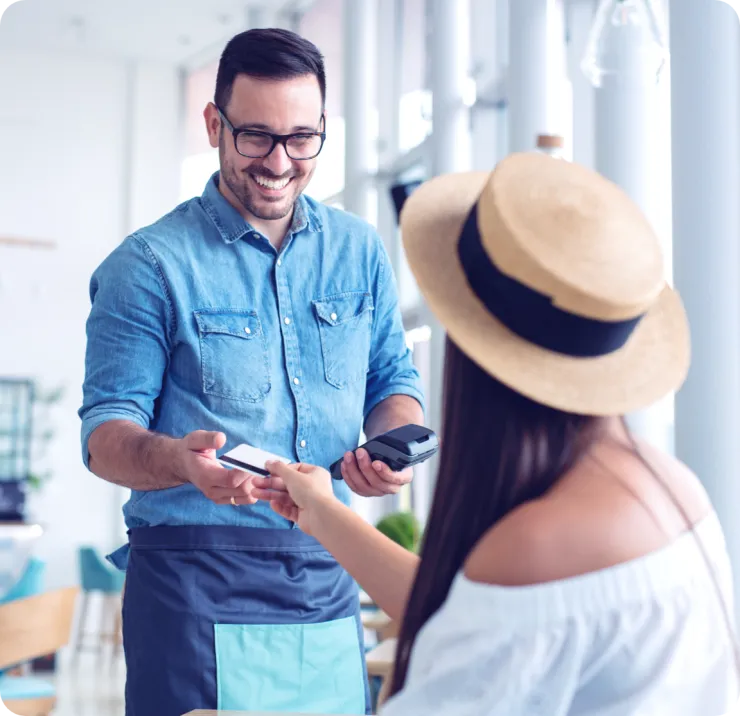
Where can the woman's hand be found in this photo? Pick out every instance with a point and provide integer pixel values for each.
(294, 491)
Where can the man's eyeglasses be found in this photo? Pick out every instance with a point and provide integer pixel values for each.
(255, 144)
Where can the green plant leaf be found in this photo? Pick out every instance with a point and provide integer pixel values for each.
(402, 528)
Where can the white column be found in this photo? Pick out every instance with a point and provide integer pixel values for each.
(360, 59)
(451, 144)
(626, 148)
(450, 70)
(390, 58)
(537, 71)
(705, 44)
(360, 148)
(388, 83)
(580, 19)
(489, 20)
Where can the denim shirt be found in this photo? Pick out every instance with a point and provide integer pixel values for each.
(198, 323)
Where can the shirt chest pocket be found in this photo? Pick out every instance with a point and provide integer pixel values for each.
(345, 327)
(233, 354)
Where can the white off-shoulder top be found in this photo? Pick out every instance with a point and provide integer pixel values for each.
(644, 638)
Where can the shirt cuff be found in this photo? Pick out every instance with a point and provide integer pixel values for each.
(94, 420)
(394, 389)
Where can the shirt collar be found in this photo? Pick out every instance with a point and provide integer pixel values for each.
(232, 226)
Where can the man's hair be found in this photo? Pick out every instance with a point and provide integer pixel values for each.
(268, 53)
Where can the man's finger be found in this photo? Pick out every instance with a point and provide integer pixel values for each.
(266, 495)
(223, 477)
(205, 440)
(221, 492)
(356, 480)
(270, 483)
(368, 472)
(396, 478)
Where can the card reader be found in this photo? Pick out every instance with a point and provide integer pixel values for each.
(399, 448)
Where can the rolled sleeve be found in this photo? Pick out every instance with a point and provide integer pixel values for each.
(128, 340)
(392, 370)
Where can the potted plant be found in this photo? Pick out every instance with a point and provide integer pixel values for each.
(403, 528)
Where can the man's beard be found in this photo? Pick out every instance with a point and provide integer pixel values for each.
(260, 209)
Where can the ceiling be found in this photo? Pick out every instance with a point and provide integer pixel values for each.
(176, 31)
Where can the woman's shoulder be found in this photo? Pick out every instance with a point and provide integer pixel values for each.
(530, 545)
(596, 518)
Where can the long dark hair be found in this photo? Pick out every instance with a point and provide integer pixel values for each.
(499, 449)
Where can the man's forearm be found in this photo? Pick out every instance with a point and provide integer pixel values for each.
(393, 412)
(126, 454)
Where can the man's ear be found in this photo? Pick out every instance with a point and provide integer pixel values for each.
(213, 124)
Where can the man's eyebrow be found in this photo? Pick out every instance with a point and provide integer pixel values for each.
(264, 128)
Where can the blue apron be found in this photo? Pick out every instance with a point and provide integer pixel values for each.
(240, 619)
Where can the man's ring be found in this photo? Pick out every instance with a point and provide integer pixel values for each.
(233, 502)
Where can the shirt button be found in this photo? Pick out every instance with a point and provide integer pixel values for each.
(279, 262)
(247, 330)
(303, 443)
(287, 321)
(296, 381)
(333, 316)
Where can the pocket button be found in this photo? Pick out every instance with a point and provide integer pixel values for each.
(333, 316)
(248, 330)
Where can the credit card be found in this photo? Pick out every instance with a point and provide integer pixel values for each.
(250, 459)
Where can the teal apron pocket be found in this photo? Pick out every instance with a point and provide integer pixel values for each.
(305, 668)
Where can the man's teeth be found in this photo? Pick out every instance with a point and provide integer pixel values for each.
(271, 183)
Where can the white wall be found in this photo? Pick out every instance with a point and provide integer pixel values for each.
(88, 149)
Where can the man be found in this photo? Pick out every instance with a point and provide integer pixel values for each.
(251, 314)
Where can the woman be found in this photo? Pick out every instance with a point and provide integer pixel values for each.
(567, 567)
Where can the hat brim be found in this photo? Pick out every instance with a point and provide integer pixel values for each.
(653, 363)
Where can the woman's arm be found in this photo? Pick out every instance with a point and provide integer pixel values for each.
(303, 494)
(384, 569)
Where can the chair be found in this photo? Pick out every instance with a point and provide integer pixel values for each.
(32, 627)
(96, 576)
(30, 583)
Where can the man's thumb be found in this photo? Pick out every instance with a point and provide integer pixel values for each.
(205, 440)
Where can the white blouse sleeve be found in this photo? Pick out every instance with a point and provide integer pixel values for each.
(512, 675)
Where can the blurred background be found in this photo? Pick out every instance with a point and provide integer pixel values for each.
(101, 132)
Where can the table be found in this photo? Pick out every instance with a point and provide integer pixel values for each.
(381, 659)
(381, 624)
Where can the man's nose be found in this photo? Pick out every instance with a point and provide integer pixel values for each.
(278, 162)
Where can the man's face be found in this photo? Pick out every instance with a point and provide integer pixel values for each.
(266, 188)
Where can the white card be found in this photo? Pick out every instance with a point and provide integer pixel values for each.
(249, 459)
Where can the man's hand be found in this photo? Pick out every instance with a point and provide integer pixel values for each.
(195, 459)
(372, 479)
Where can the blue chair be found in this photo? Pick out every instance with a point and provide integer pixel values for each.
(30, 583)
(34, 626)
(100, 578)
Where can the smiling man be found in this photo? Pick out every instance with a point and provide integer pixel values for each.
(251, 314)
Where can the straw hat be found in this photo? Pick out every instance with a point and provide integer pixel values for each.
(551, 279)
